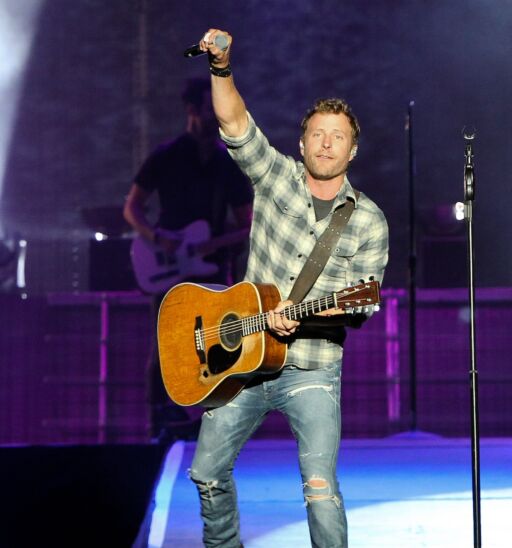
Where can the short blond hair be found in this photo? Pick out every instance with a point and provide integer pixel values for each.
(332, 106)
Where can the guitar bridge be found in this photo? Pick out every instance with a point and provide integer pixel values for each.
(199, 339)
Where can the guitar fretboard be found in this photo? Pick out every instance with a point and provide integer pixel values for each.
(258, 322)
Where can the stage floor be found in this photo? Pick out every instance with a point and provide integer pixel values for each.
(407, 491)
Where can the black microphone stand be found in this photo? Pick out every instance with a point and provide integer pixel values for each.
(469, 196)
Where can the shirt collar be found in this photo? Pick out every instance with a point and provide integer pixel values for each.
(346, 191)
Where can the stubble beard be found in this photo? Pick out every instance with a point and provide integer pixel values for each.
(326, 174)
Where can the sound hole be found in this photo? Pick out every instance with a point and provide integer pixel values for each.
(220, 360)
(230, 332)
(222, 357)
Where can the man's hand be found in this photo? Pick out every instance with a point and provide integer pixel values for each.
(219, 58)
(278, 323)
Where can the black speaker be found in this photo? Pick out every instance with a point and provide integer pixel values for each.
(76, 495)
(110, 267)
(443, 262)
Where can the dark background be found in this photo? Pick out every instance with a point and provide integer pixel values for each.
(102, 88)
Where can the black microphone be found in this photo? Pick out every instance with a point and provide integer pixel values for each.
(193, 51)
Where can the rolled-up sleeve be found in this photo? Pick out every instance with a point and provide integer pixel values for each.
(254, 154)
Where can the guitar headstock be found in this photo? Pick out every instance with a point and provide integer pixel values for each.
(359, 297)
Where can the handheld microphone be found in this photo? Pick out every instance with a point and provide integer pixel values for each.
(220, 41)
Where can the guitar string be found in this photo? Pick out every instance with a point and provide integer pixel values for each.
(230, 328)
(234, 326)
(255, 320)
(237, 325)
(294, 308)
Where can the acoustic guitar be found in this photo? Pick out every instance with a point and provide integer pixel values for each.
(212, 342)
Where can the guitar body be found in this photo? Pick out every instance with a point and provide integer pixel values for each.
(213, 372)
(156, 271)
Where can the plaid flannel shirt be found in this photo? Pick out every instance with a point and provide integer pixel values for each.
(284, 232)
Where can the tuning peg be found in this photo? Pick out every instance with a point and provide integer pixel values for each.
(376, 307)
(372, 278)
(361, 281)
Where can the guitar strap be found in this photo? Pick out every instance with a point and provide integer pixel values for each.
(322, 250)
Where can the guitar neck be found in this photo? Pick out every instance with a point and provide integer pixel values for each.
(258, 322)
(356, 297)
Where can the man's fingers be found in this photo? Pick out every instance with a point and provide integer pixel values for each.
(208, 43)
(206, 40)
(283, 322)
(278, 322)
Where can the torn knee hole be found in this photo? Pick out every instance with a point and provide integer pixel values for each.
(206, 484)
(202, 483)
(206, 488)
(312, 498)
(317, 483)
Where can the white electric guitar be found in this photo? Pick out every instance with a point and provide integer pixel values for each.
(157, 271)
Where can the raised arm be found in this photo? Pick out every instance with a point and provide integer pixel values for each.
(228, 104)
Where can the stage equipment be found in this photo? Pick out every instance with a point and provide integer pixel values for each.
(412, 271)
(13, 250)
(106, 220)
(110, 266)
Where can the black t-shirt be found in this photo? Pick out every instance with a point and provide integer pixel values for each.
(190, 190)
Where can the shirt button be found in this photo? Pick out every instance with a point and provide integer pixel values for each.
(309, 205)
(299, 255)
(311, 232)
(292, 278)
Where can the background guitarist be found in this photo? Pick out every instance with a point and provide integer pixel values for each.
(194, 178)
(292, 206)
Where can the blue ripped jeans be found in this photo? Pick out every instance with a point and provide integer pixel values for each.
(310, 399)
